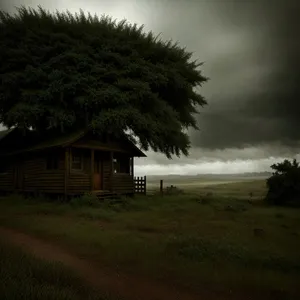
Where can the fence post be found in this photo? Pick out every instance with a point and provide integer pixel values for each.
(161, 187)
(134, 183)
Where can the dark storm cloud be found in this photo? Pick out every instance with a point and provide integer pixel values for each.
(265, 106)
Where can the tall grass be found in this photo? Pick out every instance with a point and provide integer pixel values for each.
(24, 277)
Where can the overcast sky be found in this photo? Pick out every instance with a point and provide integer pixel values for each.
(251, 54)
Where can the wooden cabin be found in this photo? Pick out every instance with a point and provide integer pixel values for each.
(66, 164)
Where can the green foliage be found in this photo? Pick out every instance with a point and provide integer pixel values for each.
(284, 184)
(62, 71)
(199, 249)
(87, 199)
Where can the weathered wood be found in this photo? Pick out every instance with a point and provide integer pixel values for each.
(98, 176)
(7, 178)
(102, 194)
(67, 182)
(102, 173)
(67, 171)
(106, 171)
(79, 182)
(132, 167)
(123, 183)
(36, 176)
(38, 179)
(92, 168)
(112, 188)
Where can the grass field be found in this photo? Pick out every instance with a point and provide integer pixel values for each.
(22, 276)
(213, 237)
(218, 188)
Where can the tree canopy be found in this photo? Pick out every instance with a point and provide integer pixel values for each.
(61, 71)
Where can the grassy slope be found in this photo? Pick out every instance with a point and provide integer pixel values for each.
(200, 181)
(205, 238)
(25, 277)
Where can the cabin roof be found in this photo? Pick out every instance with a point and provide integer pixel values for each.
(36, 143)
(56, 141)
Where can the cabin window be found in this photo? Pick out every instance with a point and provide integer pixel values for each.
(77, 163)
(52, 163)
(121, 165)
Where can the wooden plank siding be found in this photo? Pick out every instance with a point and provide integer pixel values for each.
(106, 173)
(79, 181)
(38, 179)
(7, 179)
(67, 171)
(123, 183)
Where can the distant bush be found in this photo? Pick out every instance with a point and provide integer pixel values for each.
(284, 184)
(173, 190)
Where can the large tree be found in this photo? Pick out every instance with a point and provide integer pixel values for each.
(68, 71)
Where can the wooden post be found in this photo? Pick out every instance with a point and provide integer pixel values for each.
(102, 177)
(67, 169)
(132, 174)
(161, 187)
(131, 166)
(112, 171)
(145, 185)
(92, 168)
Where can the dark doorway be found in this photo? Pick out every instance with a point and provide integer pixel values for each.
(98, 183)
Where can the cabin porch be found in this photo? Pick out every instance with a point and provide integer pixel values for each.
(98, 171)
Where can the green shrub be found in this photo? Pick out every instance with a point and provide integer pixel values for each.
(87, 199)
(284, 184)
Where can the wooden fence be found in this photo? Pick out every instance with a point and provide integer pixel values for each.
(140, 186)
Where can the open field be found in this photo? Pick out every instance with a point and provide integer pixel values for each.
(211, 241)
(205, 179)
(245, 188)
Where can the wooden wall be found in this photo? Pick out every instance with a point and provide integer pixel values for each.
(123, 183)
(29, 173)
(80, 181)
(106, 169)
(7, 179)
(38, 179)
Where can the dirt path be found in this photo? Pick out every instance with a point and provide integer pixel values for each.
(115, 284)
